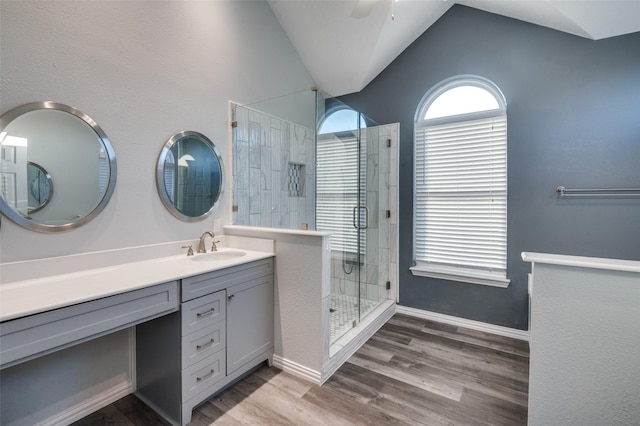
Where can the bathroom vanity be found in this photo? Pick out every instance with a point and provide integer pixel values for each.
(201, 321)
(224, 328)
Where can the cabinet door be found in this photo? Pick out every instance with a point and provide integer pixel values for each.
(249, 321)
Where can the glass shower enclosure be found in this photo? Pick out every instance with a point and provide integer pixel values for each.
(308, 161)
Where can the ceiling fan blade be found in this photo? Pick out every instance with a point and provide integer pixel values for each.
(363, 8)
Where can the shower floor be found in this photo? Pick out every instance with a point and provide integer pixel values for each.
(345, 311)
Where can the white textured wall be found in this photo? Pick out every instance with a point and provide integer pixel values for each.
(143, 71)
(302, 296)
(585, 346)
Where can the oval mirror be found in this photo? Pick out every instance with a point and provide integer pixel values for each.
(189, 176)
(44, 139)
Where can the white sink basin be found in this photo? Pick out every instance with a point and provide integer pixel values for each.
(218, 256)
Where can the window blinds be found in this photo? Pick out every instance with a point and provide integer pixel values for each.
(337, 190)
(461, 195)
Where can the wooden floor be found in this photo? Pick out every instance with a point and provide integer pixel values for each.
(411, 372)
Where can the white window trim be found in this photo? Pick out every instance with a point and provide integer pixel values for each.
(461, 275)
(452, 273)
(450, 83)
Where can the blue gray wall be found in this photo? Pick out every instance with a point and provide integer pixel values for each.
(573, 120)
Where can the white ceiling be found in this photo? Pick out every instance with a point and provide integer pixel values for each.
(346, 43)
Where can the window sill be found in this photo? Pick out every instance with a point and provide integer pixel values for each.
(452, 274)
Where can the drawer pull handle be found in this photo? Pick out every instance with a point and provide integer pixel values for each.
(204, 345)
(231, 296)
(207, 312)
(206, 376)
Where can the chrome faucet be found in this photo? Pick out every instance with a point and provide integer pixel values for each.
(201, 248)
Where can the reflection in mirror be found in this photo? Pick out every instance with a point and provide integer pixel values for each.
(189, 176)
(40, 187)
(44, 139)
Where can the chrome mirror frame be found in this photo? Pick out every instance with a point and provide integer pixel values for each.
(160, 175)
(27, 223)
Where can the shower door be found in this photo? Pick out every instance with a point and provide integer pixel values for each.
(350, 203)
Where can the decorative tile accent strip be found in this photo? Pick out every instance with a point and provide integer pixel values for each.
(296, 174)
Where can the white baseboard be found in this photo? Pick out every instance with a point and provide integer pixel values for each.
(90, 405)
(463, 322)
(342, 349)
(297, 369)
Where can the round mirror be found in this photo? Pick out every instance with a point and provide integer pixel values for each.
(44, 139)
(189, 176)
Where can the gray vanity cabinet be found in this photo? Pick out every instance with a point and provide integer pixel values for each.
(35, 335)
(249, 322)
(223, 330)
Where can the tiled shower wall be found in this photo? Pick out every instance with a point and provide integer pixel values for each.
(266, 148)
(381, 259)
(273, 171)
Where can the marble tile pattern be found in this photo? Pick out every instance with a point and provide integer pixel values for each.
(274, 186)
(265, 150)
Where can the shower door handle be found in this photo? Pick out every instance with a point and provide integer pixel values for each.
(366, 217)
(356, 223)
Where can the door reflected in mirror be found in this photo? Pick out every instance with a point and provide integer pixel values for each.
(189, 176)
(44, 139)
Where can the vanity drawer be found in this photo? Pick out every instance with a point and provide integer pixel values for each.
(203, 375)
(203, 312)
(202, 343)
(36, 335)
(200, 285)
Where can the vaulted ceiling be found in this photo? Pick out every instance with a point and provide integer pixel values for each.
(346, 43)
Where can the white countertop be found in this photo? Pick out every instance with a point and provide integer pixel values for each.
(583, 262)
(28, 297)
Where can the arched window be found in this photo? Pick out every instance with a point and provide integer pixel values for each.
(341, 119)
(460, 189)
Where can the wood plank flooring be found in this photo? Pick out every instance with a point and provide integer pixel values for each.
(411, 372)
